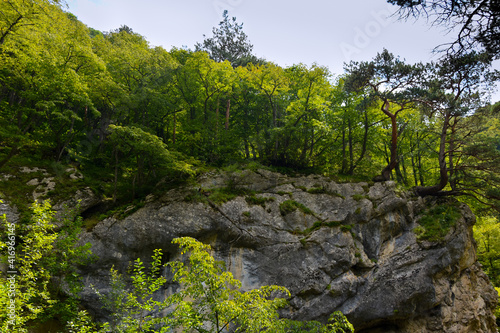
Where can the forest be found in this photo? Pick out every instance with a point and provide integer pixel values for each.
(132, 117)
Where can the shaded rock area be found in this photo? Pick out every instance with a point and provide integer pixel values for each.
(347, 247)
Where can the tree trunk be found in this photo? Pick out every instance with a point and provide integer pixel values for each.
(386, 172)
(363, 145)
(419, 163)
(228, 106)
(174, 128)
(344, 152)
(393, 160)
(351, 153)
(217, 119)
(115, 186)
(451, 166)
(443, 172)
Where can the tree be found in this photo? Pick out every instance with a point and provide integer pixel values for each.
(229, 42)
(454, 93)
(353, 119)
(48, 67)
(141, 157)
(395, 84)
(16, 14)
(477, 162)
(478, 22)
(270, 82)
(304, 131)
(210, 299)
(41, 264)
(487, 235)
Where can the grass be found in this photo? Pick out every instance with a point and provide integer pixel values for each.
(289, 206)
(346, 228)
(316, 226)
(436, 222)
(359, 197)
(317, 190)
(220, 195)
(258, 201)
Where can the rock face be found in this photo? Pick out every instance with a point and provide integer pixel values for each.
(347, 247)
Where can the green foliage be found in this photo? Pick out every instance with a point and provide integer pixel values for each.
(41, 261)
(337, 323)
(229, 42)
(289, 206)
(132, 310)
(435, 223)
(141, 156)
(210, 300)
(125, 111)
(487, 236)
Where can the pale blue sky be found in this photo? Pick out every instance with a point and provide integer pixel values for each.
(283, 31)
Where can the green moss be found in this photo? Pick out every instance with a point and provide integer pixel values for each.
(321, 190)
(289, 206)
(315, 226)
(436, 222)
(247, 214)
(359, 197)
(90, 223)
(283, 193)
(317, 190)
(333, 224)
(346, 228)
(258, 201)
(195, 196)
(338, 195)
(217, 195)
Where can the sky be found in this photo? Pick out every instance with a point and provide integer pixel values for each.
(286, 32)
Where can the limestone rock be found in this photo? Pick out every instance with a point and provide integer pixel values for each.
(353, 250)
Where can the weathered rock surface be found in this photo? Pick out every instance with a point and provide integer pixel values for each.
(356, 253)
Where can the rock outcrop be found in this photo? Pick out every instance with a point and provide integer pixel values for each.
(347, 247)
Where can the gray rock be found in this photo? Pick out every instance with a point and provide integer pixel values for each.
(357, 252)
